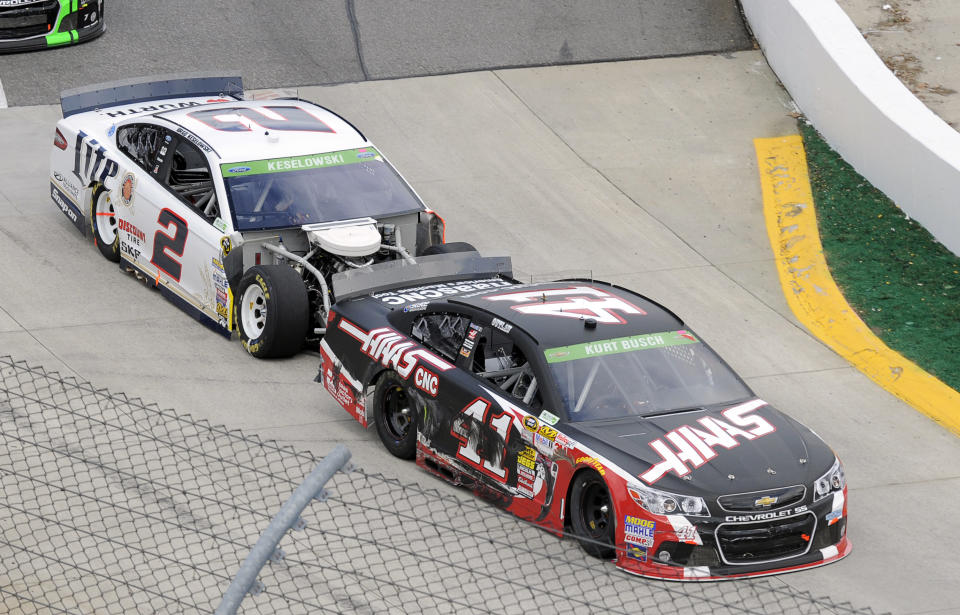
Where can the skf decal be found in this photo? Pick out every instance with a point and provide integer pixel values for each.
(571, 302)
(696, 447)
(390, 349)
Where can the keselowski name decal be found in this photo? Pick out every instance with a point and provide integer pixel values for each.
(695, 447)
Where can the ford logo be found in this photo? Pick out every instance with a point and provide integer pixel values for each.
(238, 170)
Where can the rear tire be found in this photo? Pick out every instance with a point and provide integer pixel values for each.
(449, 248)
(395, 416)
(592, 515)
(104, 223)
(272, 311)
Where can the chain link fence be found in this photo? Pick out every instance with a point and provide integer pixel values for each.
(111, 505)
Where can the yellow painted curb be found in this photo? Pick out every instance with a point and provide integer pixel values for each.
(815, 298)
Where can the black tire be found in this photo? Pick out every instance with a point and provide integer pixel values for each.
(395, 414)
(592, 516)
(272, 311)
(449, 248)
(103, 224)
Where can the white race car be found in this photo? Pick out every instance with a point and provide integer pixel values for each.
(239, 211)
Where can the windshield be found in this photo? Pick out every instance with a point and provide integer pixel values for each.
(641, 375)
(285, 192)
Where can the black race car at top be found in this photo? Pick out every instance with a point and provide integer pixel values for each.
(583, 407)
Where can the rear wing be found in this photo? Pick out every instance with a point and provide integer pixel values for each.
(127, 91)
(391, 275)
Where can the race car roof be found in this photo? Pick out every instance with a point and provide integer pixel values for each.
(261, 129)
(573, 312)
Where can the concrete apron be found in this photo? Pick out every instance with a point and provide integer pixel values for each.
(642, 171)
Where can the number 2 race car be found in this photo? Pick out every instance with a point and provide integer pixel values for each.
(238, 211)
(38, 24)
(583, 407)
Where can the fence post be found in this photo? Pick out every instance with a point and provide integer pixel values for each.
(288, 515)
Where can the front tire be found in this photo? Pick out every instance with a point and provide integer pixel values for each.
(272, 311)
(103, 224)
(592, 515)
(395, 416)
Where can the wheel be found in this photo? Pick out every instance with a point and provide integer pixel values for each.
(449, 248)
(592, 515)
(103, 224)
(272, 311)
(395, 416)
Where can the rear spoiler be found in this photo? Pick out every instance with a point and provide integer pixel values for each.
(143, 89)
(391, 275)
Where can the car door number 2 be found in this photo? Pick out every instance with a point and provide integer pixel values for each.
(478, 410)
(166, 248)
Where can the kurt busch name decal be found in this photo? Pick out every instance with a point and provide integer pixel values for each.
(694, 447)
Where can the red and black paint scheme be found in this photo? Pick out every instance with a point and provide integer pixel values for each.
(477, 377)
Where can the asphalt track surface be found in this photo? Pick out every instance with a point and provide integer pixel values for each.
(643, 171)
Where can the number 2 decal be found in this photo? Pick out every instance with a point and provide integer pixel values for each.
(478, 411)
(245, 119)
(165, 246)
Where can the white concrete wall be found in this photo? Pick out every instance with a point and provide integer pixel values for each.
(862, 110)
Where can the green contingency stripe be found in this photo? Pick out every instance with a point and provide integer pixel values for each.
(619, 345)
(298, 163)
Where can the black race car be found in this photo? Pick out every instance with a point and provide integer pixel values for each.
(583, 407)
(38, 24)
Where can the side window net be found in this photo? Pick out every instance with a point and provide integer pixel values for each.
(140, 142)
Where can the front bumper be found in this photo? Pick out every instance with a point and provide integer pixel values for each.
(49, 23)
(741, 545)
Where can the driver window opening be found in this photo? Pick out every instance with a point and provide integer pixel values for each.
(190, 179)
(500, 361)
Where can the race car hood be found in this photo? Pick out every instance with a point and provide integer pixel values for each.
(767, 449)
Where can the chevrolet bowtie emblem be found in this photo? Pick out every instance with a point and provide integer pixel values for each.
(767, 500)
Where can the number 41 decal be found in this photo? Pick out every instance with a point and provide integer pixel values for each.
(478, 410)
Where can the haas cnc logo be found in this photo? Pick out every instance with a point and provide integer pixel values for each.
(390, 349)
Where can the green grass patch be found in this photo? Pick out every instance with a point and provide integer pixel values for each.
(900, 280)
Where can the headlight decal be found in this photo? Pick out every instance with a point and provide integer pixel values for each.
(837, 512)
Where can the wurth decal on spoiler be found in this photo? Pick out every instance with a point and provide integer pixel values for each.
(390, 349)
(696, 447)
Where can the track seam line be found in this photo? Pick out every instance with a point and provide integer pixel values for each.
(814, 296)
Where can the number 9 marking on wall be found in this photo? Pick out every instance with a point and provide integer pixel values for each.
(165, 246)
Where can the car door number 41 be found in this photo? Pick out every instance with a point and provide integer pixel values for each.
(478, 410)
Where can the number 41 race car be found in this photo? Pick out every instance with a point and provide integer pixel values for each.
(583, 407)
(238, 211)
